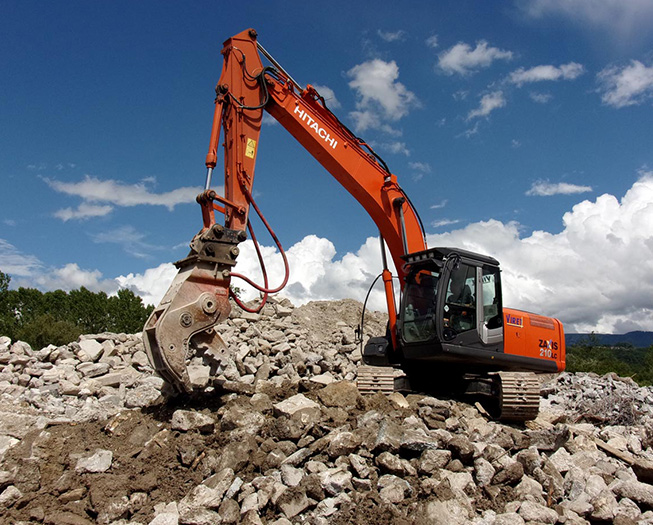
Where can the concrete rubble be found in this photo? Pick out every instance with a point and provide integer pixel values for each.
(88, 434)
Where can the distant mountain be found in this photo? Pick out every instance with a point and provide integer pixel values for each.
(638, 339)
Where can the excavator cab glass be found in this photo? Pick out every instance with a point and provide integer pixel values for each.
(419, 306)
(460, 304)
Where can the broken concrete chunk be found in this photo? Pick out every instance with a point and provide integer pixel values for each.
(187, 420)
(100, 461)
(292, 405)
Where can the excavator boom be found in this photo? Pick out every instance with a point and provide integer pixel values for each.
(198, 298)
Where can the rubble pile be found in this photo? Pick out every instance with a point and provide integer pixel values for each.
(88, 434)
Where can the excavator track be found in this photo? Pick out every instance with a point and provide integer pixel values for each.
(373, 379)
(519, 396)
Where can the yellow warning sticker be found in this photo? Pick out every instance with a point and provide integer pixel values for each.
(250, 150)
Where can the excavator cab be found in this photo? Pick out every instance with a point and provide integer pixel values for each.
(451, 305)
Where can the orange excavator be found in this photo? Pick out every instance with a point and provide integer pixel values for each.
(450, 317)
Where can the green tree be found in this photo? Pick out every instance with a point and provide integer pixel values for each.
(59, 317)
(47, 329)
(7, 320)
(4, 282)
(89, 310)
(127, 313)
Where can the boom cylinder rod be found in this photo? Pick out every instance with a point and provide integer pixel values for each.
(389, 295)
(399, 204)
(277, 65)
(384, 258)
(209, 173)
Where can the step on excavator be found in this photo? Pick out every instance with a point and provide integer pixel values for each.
(450, 322)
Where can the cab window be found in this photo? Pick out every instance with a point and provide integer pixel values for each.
(460, 302)
(418, 316)
(492, 315)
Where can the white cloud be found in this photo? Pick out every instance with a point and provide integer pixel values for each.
(569, 71)
(268, 120)
(439, 205)
(130, 239)
(92, 189)
(83, 211)
(328, 95)
(444, 222)
(381, 97)
(618, 17)
(489, 103)
(72, 277)
(424, 167)
(432, 41)
(392, 36)
(540, 98)
(28, 271)
(420, 169)
(591, 275)
(544, 188)
(626, 86)
(152, 284)
(468, 133)
(464, 60)
(16, 263)
(398, 148)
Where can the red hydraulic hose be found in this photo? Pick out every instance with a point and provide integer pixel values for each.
(266, 291)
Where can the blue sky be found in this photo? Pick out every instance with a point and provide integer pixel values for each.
(520, 129)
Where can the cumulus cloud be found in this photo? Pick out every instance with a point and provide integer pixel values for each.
(95, 190)
(83, 211)
(16, 263)
(544, 188)
(152, 284)
(626, 86)
(28, 271)
(569, 71)
(464, 60)
(489, 103)
(594, 275)
(381, 97)
(591, 275)
(328, 94)
(618, 17)
(71, 277)
(392, 36)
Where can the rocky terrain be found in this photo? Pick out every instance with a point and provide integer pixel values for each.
(88, 434)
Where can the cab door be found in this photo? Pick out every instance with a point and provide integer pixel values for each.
(471, 311)
(490, 314)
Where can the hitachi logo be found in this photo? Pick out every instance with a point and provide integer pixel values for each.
(320, 132)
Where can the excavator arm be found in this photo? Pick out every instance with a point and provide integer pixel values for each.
(198, 298)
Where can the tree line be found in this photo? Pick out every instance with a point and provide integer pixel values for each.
(624, 359)
(59, 317)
